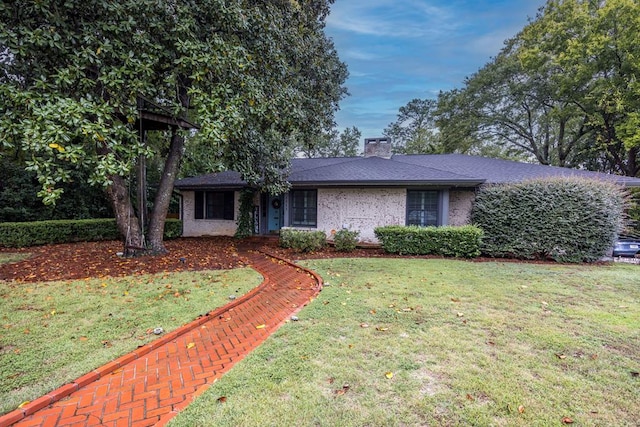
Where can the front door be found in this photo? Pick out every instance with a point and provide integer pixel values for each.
(275, 214)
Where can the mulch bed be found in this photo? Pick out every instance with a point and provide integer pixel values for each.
(82, 260)
(100, 259)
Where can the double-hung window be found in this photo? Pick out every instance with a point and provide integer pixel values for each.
(214, 205)
(423, 207)
(304, 208)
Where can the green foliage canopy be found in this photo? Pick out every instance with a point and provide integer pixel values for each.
(250, 73)
(253, 75)
(564, 91)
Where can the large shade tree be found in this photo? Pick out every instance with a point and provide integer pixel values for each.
(252, 75)
(564, 91)
(514, 111)
(591, 51)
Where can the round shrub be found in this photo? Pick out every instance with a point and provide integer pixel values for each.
(565, 219)
(346, 240)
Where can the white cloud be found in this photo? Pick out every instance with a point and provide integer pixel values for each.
(389, 18)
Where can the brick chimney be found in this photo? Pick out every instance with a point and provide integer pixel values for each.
(377, 147)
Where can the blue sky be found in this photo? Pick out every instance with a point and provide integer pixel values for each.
(397, 50)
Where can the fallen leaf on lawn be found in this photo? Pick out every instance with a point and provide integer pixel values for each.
(567, 420)
(594, 356)
(343, 390)
(378, 328)
(191, 345)
(407, 309)
(455, 300)
(331, 380)
(460, 314)
(106, 343)
(23, 404)
(561, 356)
(222, 399)
(350, 345)
(491, 343)
(635, 374)
(325, 302)
(521, 409)
(27, 331)
(544, 303)
(389, 375)
(53, 312)
(391, 305)
(83, 338)
(261, 326)
(372, 311)
(364, 325)
(469, 397)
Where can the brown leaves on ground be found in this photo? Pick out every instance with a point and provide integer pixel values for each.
(99, 259)
(81, 260)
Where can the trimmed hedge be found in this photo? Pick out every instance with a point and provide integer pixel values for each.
(346, 240)
(24, 234)
(302, 241)
(565, 219)
(446, 241)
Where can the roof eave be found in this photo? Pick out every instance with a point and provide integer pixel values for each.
(447, 183)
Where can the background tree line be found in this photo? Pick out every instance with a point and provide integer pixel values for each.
(565, 91)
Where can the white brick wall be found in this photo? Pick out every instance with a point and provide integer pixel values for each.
(206, 227)
(360, 209)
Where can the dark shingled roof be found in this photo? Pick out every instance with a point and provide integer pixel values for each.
(405, 170)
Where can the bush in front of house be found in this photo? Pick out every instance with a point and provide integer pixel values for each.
(446, 241)
(24, 234)
(301, 240)
(346, 240)
(565, 219)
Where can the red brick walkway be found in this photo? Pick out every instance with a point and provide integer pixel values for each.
(152, 384)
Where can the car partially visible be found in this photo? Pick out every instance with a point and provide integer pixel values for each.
(626, 247)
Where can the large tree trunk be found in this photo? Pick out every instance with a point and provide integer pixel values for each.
(163, 195)
(126, 218)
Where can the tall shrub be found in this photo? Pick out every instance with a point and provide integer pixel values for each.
(566, 219)
(245, 217)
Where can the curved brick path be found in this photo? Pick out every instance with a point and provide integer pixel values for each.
(152, 384)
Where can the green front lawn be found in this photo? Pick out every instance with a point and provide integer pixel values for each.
(54, 332)
(440, 342)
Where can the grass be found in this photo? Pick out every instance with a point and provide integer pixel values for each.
(52, 333)
(12, 257)
(441, 342)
